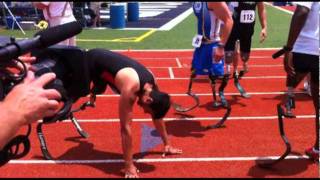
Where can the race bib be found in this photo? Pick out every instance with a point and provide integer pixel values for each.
(196, 41)
(247, 16)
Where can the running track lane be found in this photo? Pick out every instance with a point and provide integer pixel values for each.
(245, 139)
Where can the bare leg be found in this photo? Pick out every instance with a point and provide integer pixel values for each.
(236, 57)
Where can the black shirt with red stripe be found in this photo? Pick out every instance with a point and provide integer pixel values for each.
(105, 64)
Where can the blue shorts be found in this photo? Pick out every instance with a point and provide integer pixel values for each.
(202, 61)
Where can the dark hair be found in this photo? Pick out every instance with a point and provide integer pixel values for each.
(160, 105)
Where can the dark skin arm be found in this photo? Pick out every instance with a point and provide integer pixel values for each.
(298, 21)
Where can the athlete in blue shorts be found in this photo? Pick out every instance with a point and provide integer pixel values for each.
(209, 43)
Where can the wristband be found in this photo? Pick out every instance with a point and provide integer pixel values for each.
(287, 48)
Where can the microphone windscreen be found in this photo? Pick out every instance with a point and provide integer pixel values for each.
(56, 34)
(278, 53)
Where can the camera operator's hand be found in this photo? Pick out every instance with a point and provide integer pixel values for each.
(30, 102)
(27, 60)
(27, 103)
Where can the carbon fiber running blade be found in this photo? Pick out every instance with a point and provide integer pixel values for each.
(241, 90)
(269, 163)
(43, 144)
(220, 123)
(179, 108)
(79, 129)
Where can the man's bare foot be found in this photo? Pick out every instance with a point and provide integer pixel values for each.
(131, 172)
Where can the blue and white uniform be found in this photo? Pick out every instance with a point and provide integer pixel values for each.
(207, 38)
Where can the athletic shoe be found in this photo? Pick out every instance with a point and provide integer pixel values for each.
(312, 154)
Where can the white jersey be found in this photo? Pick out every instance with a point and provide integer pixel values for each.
(308, 39)
(215, 27)
(58, 10)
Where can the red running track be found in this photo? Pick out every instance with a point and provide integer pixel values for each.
(251, 132)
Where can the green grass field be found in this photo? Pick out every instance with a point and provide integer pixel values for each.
(179, 37)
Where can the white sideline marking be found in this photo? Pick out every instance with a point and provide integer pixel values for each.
(236, 118)
(152, 160)
(279, 8)
(209, 94)
(168, 26)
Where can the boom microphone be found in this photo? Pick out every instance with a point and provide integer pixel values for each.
(42, 39)
(59, 33)
(283, 50)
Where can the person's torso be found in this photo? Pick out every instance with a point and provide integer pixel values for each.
(308, 39)
(243, 13)
(108, 64)
(58, 9)
(208, 24)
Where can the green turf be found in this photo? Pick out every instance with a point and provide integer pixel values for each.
(179, 37)
(278, 29)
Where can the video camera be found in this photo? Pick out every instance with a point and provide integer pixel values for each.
(72, 75)
(68, 63)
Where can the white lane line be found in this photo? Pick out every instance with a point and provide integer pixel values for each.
(190, 57)
(171, 73)
(235, 118)
(190, 50)
(252, 77)
(178, 63)
(252, 66)
(153, 160)
(210, 94)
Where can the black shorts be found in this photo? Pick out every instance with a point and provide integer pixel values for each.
(243, 33)
(305, 63)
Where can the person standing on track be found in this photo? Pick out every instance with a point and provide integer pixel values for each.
(57, 13)
(208, 57)
(243, 14)
(302, 57)
(134, 83)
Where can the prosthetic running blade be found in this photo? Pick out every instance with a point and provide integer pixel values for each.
(180, 108)
(269, 163)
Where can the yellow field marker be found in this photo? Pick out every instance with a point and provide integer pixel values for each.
(128, 39)
(145, 35)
